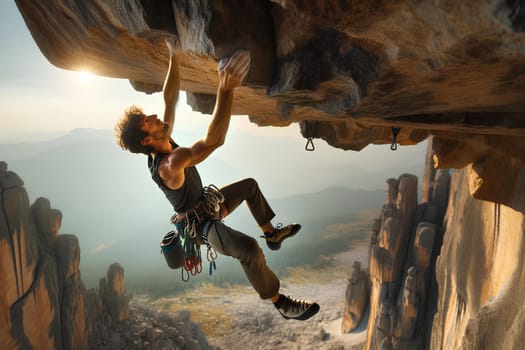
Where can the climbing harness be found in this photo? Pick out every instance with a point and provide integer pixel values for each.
(310, 143)
(181, 247)
(395, 132)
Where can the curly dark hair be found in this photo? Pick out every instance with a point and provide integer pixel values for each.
(128, 133)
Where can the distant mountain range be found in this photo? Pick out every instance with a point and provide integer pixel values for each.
(109, 201)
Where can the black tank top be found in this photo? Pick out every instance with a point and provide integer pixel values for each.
(188, 195)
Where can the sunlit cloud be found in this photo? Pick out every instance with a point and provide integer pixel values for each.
(101, 247)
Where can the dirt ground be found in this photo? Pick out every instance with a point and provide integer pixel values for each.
(235, 318)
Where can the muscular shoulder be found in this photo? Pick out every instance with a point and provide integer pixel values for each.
(171, 167)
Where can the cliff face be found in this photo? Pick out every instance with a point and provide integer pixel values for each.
(43, 302)
(480, 273)
(446, 273)
(42, 297)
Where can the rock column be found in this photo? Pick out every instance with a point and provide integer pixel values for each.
(401, 258)
(356, 298)
(112, 293)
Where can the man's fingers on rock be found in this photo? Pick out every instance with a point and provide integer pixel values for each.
(239, 57)
(241, 69)
(223, 63)
(240, 63)
(243, 58)
(240, 54)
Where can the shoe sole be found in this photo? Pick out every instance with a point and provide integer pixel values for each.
(314, 309)
(277, 245)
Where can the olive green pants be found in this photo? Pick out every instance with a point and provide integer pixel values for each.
(240, 246)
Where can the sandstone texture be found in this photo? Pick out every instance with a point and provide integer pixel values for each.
(374, 63)
(460, 279)
(480, 273)
(43, 301)
(42, 297)
(353, 73)
(347, 70)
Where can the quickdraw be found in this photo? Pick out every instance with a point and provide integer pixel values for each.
(188, 227)
(310, 137)
(192, 253)
(211, 256)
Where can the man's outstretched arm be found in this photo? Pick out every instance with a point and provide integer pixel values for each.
(171, 85)
(231, 74)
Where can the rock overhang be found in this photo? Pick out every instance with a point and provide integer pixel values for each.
(348, 71)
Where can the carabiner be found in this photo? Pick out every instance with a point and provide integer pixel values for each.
(187, 275)
(310, 145)
(211, 254)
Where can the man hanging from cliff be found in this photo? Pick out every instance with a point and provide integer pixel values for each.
(173, 169)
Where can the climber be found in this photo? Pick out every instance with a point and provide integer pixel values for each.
(173, 169)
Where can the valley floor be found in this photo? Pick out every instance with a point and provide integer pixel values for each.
(235, 318)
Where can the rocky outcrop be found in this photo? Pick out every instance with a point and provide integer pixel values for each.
(112, 292)
(494, 165)
(480, 272)
(356, 298)
(42, 296)
(461, 283)
(348, 71)
(148, 329)
(43, 302)
(403, 245)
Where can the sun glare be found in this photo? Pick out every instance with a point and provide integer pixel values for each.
(84, 76)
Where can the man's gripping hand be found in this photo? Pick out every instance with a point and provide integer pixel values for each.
(233, 70)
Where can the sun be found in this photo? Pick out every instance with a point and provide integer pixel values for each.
(84, 76)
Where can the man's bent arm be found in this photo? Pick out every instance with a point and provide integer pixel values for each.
(171, 86)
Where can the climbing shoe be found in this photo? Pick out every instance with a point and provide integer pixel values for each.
(279, 234)
(296, 309)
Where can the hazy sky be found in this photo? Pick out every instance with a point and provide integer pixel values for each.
(38, 97)
(42, 101)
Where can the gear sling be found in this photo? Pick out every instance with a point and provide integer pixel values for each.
(181, 247)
